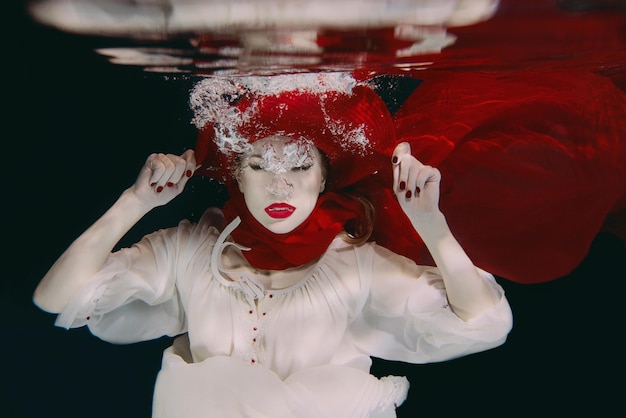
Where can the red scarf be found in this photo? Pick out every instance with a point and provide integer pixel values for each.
(308, 242)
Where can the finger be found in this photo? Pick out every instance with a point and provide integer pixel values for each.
(185, 167)
(404, 169)
(190, 162)
(403, 148)
(178, 173)
(408, 174)
(163, 167)
(396, 178)
(412, 179)
(427, 177)
(155, 168)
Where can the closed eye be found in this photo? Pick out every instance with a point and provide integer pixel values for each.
(302, 167)
(255, 167)
(255, 162)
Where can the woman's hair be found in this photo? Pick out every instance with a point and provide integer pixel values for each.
(359, 230)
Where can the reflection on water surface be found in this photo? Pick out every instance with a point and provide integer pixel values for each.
(201, 37)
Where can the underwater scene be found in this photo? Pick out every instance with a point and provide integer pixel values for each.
(310, 209)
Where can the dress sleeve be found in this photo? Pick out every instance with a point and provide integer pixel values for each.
(406, 315)
(136, 295)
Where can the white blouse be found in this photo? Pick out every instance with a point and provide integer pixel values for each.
(355, 302)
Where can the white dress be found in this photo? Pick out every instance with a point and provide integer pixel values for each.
(299, 352)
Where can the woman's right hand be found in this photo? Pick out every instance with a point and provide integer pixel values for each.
(163, 177)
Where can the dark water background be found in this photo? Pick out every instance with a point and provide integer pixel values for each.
(76, 130)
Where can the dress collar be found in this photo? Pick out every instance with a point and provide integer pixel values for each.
(240, 280)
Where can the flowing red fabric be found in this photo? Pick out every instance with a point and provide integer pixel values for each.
(306, 243)
(525, 116)
(533, 165)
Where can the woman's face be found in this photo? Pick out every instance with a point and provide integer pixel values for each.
(281, 179)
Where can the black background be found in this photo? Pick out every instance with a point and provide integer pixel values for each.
(76, 130)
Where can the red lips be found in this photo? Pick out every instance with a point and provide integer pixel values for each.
(279, 210)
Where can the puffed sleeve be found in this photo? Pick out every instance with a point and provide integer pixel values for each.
(406, 315)
(136, 295)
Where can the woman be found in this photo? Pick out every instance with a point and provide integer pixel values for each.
(280, 299)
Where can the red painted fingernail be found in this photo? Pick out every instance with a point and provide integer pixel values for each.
(417, 190)
(408, 194)
(159, 189)
(152, 184)
(188, 173)
(402, 185)
(394, 160)
(170, 184)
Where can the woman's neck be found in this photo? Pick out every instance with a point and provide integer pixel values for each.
(235, 263)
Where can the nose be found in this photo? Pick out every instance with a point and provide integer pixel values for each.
(280, 187)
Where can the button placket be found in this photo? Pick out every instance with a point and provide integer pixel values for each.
(254, 348)
(259, 315)
(248, 350)
(264, 307)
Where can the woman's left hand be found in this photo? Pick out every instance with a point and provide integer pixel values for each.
(416, 185)
(417, 188)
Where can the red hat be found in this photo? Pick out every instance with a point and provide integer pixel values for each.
(347, 121)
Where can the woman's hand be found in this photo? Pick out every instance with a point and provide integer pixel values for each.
(163, 177)
(416, 185)
(417, 188)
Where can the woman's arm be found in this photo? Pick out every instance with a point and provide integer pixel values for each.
(162, 178)
(417, 189)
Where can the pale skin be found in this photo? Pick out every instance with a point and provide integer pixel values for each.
(279, 170)
(163, 177)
